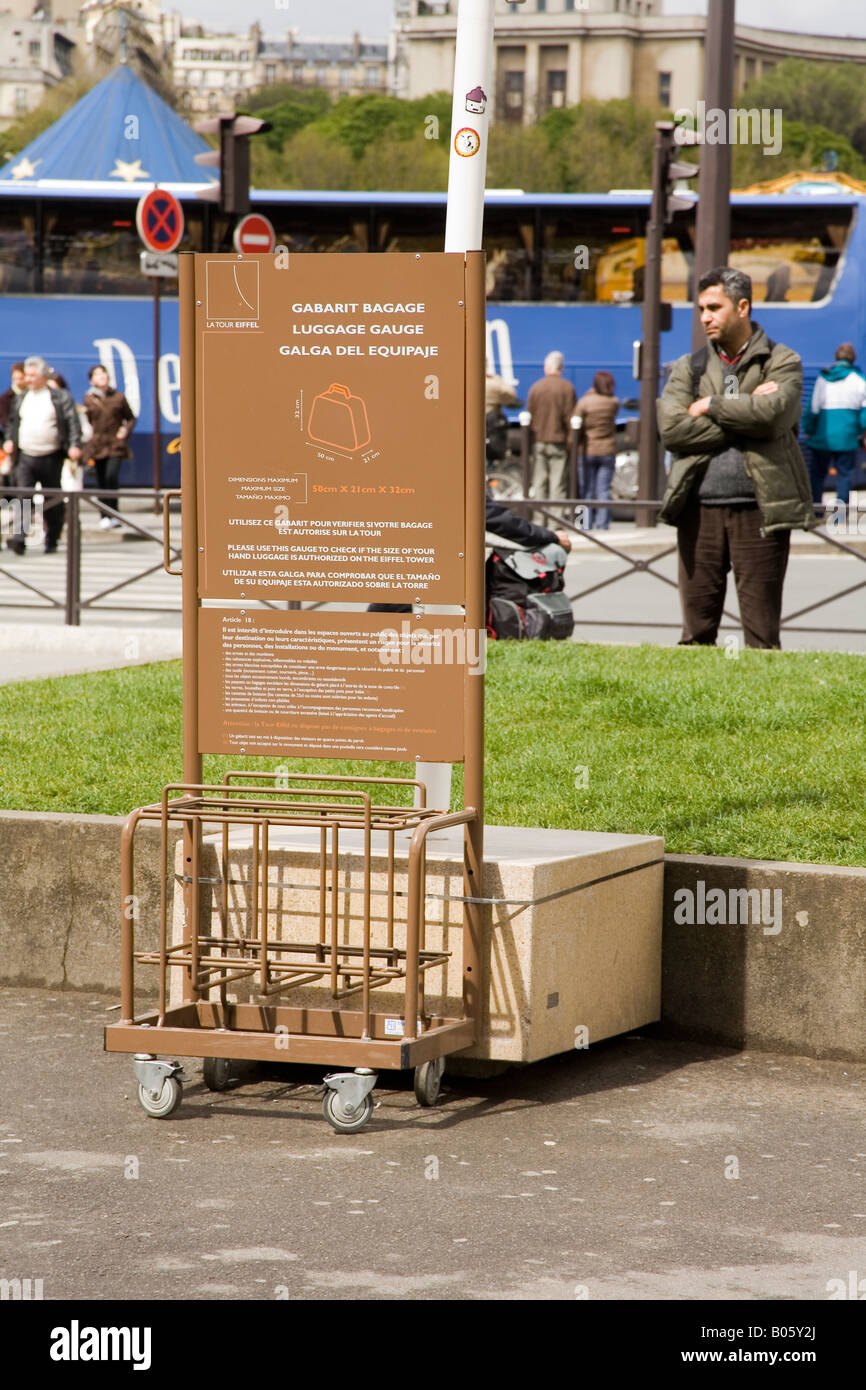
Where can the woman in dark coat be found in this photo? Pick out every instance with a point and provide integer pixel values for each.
(112, 421)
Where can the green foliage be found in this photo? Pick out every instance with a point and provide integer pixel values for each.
(598, 145)
(719, 756)
(287, 114)
(358, 122)
(803, 148)
(832, 95)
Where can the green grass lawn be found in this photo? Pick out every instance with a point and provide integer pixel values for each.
(762, 756)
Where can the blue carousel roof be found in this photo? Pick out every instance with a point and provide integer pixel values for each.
(120, 133)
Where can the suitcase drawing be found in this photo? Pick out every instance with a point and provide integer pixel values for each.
(339, 419)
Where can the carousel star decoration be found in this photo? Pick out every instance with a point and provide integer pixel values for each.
(130, 171)
(25, 169)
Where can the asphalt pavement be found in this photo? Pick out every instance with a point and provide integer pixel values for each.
(637, 1170)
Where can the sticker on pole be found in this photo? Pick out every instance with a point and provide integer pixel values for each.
(159, 219)
(254, 235)
(467, 141)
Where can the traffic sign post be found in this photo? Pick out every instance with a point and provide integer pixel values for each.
(254, 235)
(159, 219)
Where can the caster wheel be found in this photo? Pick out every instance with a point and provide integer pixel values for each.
(162, 1103)
(342, 1120)
(216, 1073)
(428, 1079)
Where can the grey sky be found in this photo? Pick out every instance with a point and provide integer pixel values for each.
(373, 17)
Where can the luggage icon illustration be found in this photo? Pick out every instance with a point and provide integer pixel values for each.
(339, 419)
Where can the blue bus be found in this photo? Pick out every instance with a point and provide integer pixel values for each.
(563, 271)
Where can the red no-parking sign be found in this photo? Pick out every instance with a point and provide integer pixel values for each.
(159, 219)
(254, 235)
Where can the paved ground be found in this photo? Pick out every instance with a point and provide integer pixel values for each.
(607, 1174)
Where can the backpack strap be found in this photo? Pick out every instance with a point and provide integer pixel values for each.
(698, 362)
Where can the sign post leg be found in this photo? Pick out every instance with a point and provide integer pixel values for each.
(157, 470)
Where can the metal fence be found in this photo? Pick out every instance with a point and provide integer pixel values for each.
(558, 513)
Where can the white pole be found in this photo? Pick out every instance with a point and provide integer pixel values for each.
(467, 167)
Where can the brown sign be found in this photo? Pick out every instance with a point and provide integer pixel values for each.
(331, 427)
(347, 685)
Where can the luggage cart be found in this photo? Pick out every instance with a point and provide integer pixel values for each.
(231, 948)
(231, 936)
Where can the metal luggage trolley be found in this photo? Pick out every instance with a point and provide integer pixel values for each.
(224, 942)
(349, 929)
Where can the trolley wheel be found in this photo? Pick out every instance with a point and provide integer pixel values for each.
(427, 1080)
(162, 1103)
(342, 1120)
(216, 1073)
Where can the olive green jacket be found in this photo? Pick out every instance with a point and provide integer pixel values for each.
(763, 427)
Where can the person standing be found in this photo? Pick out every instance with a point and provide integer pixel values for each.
(738, 483)
(112, 422)
(551, 402)
(15, 388)
(834, 423)
(43, 428)
(8, 461)
(597, 409)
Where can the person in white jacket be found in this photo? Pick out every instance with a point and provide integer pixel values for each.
(834, 423)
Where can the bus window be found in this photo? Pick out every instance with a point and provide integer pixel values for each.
(410, 228)
(90, 248)
(791, 254)
(314, 227)
(591, 255)
(509, 240)
(18, 248)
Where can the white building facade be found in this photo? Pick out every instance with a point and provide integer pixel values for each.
(551, 53)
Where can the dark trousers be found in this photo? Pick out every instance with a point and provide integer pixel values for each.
(107, 474)
(820, 461)
(710, 541)
(45, 469)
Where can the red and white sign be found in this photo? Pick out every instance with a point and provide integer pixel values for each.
(254, 235)
(159, 219)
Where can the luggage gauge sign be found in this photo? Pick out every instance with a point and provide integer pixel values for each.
(331, 466)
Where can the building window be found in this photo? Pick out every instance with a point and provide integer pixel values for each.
(664, 89)
(372, 76)
(35, 48)
(514, 85)
(555, 89)
(346, 77)
(21, 99)
(750, 70)
(542, 6)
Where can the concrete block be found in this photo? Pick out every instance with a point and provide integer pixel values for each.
(60, 909)
(765, 954)
(571, 946)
